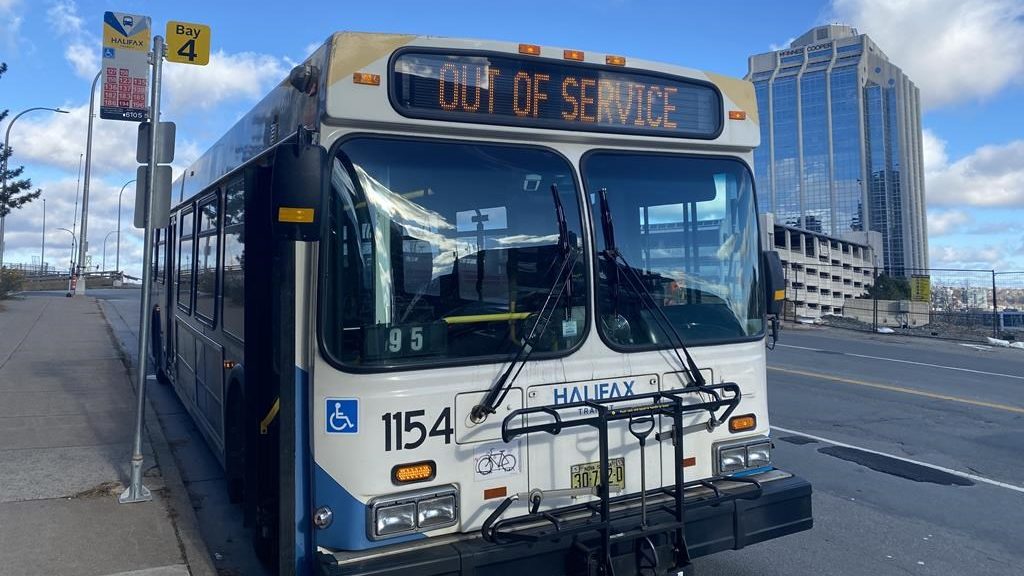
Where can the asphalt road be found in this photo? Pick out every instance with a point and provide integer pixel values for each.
(942, 404)
(913, 446)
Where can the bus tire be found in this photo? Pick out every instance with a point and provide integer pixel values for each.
(234, 444)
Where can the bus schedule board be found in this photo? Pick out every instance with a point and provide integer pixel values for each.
(543, 93)
(125, 74)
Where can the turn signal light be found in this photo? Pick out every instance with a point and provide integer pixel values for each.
(741, 423)
(573, 55)
(737, 115)
(415, 472)
(615, 60)
(529, 49)
(366, 78)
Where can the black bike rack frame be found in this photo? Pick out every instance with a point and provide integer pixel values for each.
(597, 514)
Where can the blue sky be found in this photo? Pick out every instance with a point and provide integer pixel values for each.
(967, 58)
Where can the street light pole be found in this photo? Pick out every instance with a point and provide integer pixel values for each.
(105, 248)
(83, 239)
(71, 262)
(117, 257)
(42, 249)
(3, 174)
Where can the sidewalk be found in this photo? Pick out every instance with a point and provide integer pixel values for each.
(67, 412)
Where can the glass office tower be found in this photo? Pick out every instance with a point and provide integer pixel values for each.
(841, 143)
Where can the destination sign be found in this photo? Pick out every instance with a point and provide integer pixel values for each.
(535, 92)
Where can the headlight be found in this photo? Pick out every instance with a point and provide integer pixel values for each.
(435, 511)
(742, 455)
(759, 454)
(409, 512)
(732, 459)
(396, 519)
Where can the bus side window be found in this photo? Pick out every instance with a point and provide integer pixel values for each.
(207, 252)
(233, 281)
(185, 262)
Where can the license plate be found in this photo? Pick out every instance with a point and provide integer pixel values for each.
(589, 474)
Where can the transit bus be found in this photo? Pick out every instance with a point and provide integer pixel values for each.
(452, 306)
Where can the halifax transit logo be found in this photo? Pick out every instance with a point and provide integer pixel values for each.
(592, 391)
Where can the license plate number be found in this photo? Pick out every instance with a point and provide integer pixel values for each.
(588, 474)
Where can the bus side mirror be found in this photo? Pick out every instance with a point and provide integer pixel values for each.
(775, 282)
(298, 190)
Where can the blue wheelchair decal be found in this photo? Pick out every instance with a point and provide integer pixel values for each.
(342, 416)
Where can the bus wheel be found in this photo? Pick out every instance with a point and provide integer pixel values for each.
(234, 447)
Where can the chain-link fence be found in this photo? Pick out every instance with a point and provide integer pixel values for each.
(937, 302)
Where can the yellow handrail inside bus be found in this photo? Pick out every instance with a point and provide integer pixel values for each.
(499, 317)
(265, 423)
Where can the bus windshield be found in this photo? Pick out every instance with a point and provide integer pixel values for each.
(447, 251)
(688, 228)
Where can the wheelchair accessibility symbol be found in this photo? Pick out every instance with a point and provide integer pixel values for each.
(342, 416)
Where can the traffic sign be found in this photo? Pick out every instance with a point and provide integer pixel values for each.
(164, 143)
(159, 202)
(125, 66)
(188, 43)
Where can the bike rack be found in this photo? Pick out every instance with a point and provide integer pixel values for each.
(596, 516)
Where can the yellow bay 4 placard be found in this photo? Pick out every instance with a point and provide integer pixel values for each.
(188, 43)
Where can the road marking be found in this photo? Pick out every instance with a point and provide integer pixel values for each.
(891, 388)
(1014, 376)
(967, 475)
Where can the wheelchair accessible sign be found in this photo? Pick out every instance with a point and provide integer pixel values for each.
(342, 416)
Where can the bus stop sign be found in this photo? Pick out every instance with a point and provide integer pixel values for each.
(188, 43)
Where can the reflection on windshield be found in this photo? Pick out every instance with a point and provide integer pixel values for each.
(445, 251)
(689, 228)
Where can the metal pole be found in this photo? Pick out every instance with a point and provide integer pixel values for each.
(78, 192)
(117, 258)
(136, 492)
(995, 311)
(83, 242)
(3, 176)
(105, 238)
(42, 250)
(71, 261)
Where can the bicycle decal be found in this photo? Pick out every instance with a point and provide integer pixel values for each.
(495, 460)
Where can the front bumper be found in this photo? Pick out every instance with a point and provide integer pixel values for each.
(712, 525)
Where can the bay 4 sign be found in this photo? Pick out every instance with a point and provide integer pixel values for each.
(188, 43)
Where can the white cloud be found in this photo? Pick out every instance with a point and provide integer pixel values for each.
(83, 58)
(944, 222)
(986, 257)
(992, 175)
(58, 139)
(241, 76)
(10, 25)
(953, 50)
(64, 17)
(773, 47)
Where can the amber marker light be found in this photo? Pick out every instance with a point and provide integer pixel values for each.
(529, 49)
(741, 423)
(615, 60)
(366, 78)
(413, 472)
(576, 55)
(737, 115)
(499, 492)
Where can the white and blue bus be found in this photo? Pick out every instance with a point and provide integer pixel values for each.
(465, 307)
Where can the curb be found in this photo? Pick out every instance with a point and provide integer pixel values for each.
(182, 515)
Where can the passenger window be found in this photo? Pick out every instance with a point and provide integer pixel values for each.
(185, 262)
(233, 282)
(207, 253)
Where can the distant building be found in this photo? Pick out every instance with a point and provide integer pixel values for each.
(822, 273)
(841, 143)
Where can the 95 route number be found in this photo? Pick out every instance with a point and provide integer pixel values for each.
(408, 431)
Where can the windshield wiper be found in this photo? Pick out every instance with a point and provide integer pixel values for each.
(618, 261)
(563, 284)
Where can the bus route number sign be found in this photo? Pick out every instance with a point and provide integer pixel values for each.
(188, 43)
(542, 93)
